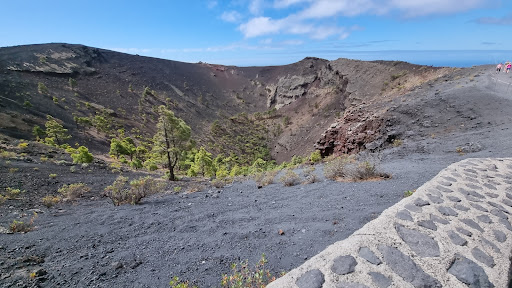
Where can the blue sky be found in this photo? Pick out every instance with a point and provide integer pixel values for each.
(271, 32)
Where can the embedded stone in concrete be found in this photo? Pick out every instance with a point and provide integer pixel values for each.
(490, 186)
(469, 273)
(456, 239)
(472, 224)
(344, 265)
(479, 207)
(311, 279)
(406, 268)
(484, 219)
(453, 198)
(421, 244)
(471, 171)
(451, 179)
(438, 219)
(369, 256)
(482, 257)
(444, 189)
(445, 183)
(472, 193)
(490, 244)
(496, 205)
(404, 215)
(435, 199)
(447, 211)
(507, 202)
(429, 224)
(413, 208)
(469, 178)
(380, 280)
(350, 285)
(500, 236)
(506, 224)
(473, 186)
(492, 195)
(464, 231)
(499, 213)
(420, 202)
(472, 198)
(509, 196)
(461, 207)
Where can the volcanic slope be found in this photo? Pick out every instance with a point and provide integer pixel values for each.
(197, 236)
(294, 103)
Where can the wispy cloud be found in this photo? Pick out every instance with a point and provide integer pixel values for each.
(231, 16)
(307, 20)
(505, 20)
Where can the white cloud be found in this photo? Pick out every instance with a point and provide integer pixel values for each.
(286, 3)
(256, 7)
(305, 21)
(506, 20)
(292, 42)
(260, 26)
(231, 16)
(266, 41)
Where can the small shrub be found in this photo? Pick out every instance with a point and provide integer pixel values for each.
(290, 178)
(22, 227)
(2, 199)
(55, 100)
(74, 191)
(27, 104)
(315, 156)
(138, 189)
(42, 89)
(335, 168)
(7, 154)
(13, 170)
(12, 193)
(408, 193)
(243, 276)
(265, 178)
(362, 171)
(23, 145)
(194, 188)
(309, 176)
(53, 175)
(177, 189)
(82, 155)
(50, 201)
(459, 150)
(397, 142)
(176, 283)
(221, 182)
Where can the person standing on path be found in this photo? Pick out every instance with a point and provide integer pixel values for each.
(498, 68)
(509, 65)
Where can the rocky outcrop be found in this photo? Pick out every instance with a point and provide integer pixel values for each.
(57, 59)
(354, 132)
(311, 83)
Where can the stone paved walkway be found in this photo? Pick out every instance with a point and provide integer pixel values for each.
(454, 231)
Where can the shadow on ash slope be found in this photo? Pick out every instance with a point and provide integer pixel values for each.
(197, 236)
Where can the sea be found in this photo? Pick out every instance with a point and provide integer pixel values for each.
(437, 58)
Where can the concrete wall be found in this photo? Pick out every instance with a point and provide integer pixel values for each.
(454, 231)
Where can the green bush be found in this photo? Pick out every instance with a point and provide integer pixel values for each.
(335, 168)
(121, 193)
(82, 155)
(176, 283)
(315, 156)
(243, 276)
(74, 191)
(265, 178)
(290, 178)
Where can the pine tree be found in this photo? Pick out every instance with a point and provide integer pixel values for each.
(55, 131)
(171, 139)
